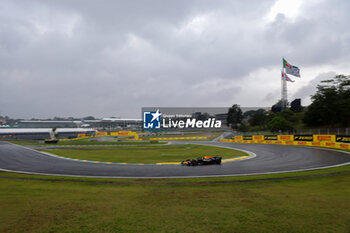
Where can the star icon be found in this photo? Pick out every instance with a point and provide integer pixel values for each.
(156, 115)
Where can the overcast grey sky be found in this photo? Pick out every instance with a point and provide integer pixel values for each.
(110, 58)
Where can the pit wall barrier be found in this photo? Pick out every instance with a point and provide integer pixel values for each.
(330, 141)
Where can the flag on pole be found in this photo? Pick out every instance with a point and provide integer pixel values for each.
(285, 77)
(293, 70)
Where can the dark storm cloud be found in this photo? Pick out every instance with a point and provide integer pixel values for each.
(105, 58)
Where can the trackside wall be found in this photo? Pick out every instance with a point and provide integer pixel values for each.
(331, 141)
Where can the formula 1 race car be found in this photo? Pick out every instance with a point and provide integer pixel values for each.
(205, 160)
(189, 162)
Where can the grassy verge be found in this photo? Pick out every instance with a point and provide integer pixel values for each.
(146, 154)
(302, 205)
(187, 181)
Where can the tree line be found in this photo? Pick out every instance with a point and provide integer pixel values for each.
(330, 107)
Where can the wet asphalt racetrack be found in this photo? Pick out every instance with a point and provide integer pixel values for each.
(269, 159)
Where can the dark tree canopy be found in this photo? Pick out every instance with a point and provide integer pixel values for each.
(248, 113)
(289, 115)
(331, 103)
(234, 116)
(258, 118)
(279, 123)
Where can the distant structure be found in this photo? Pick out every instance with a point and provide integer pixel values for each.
(42, 133)
(114, 123)
(104, 123)
(284, 95)
(49, 124)
(222, 117)
(295, 105)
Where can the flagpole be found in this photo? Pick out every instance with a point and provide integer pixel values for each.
(284, 87)
(285, 93)
(282, 82)
(293, 70)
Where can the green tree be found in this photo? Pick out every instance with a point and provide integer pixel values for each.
(331, 103)
(259, 118)
(234, 116)
(279, 123)
(243, 127)
(249, 113)
(289, 115)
